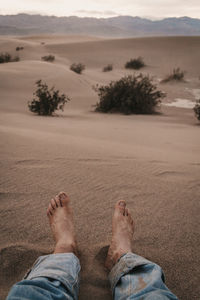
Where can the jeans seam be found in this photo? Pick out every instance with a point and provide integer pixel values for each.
(123, 270)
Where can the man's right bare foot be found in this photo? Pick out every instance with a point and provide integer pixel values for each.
(61, 222)
(122, 234)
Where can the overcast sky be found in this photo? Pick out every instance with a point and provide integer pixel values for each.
(154, 9)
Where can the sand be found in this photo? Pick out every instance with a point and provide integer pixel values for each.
(150, 161)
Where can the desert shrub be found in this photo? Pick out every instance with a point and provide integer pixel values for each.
(6, 57)
(177, 75)
(197, 109)
(46, 100)
(19, 48)
(50, 58)
(108, 68)
(129, 95)
(136, 63)
(77, 68)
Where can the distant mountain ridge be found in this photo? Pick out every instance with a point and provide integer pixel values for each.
(121, 26)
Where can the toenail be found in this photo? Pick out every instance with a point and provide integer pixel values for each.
(122, 203)
(62, 196)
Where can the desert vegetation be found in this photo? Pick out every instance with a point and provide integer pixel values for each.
(108, 68)
(19, 48)
(6, 58)
(197, 109)
(136, 63)
(49, 58)
(129, 95)
(177, 75)
(46, 101)
(77, 67)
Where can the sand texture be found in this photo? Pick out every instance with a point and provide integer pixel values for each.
(152, 162)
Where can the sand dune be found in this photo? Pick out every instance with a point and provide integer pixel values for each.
(151, 161)
(54, 39)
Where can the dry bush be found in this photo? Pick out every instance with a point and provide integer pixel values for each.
(177, 75)
(129, 95)
(136, 63)
(77, 68)
(108, 68)
(49, 58)
(19, 48)
(47, 100)
(6, 57)
(197, 109)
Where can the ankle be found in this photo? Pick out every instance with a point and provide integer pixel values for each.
(65, 247)
(119, 252)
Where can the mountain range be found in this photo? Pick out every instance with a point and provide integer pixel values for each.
(121, 26)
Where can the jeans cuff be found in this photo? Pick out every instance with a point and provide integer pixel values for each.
(125, 264)
(64, 267)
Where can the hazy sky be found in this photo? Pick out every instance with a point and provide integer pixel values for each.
(104, 8)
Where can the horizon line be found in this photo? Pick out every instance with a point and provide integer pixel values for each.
(92, 17)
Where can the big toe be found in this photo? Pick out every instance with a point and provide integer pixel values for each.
(64, 199)
(120, 207)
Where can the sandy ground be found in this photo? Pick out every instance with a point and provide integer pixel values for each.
(150, 161)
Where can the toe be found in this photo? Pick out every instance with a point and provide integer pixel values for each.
(49, 213)
(126, 212)
(130, 217)
(130, 220)
(57, 201)
(120, 207)
(63, 198)
(53, 203)
(50, 210)
(62, 195)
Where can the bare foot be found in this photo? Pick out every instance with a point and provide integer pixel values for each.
(122, 234)
(61, 221)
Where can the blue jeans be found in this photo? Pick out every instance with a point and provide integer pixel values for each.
(56, 276)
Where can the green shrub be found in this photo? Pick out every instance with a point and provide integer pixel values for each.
(77, 68)
(50, 58)
(19, 48)
(197, 109)
(6, 57)
(129, 95)
(177, 75)
(47, 101)
(136, 63)
(108, 68)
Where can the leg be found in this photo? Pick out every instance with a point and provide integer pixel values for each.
(54, 276)
(132, 276)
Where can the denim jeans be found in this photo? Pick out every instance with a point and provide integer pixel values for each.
(56, 276)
